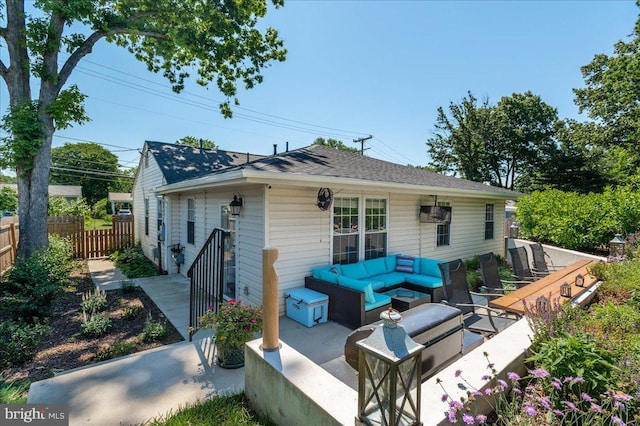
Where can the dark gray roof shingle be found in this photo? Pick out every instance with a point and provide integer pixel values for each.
(181, 162)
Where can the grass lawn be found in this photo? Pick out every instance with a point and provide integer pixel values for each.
(92, 223)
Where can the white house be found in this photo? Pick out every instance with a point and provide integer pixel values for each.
(317, 205)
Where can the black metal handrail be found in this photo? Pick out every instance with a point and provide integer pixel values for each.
(206, 276)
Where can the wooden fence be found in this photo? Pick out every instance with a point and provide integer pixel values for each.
(86, 244)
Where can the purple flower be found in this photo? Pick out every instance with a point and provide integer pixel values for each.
(458, 373)
(476, 393)
(468, 419)
(556, 385)
(452, 415)
(490, 365)
(558, 413)
(539, 373)
(487, 391)
(444, 398)
(481, 419)
(456, 405)
(577, 380)
(620, 406)
(502, 384)
(586, 397)
(621, 396)
(596, 408)
(571, 406)
(518, 391)
(486, 377)
(530, 410)
(617, 420)
(545, 402)
(513, 376)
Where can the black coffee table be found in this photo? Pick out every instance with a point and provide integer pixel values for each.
(403, 299)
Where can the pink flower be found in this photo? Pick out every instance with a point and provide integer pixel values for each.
(458, 373)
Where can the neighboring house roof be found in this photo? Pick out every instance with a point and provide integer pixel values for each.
(181, 162)
(67, 191)
(328, 166)
(120, 197)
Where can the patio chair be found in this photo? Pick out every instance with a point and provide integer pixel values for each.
(520, 264)
(539, 258)
(480, 319)
(493, 284)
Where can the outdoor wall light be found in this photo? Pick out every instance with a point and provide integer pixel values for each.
(579, 280)
(565, 290)
(616, 246)
(236, 205)
(389, 379)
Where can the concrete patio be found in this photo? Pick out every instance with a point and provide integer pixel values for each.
(139, 387)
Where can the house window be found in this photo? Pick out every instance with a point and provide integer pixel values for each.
(191, 221)
(375, 236)
(146, 216)
(349, 236)
(443, 230)
(160, 227)
(146, 158)
(345, 230)
(489, 221)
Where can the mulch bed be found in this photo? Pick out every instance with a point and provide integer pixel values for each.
(64, 347)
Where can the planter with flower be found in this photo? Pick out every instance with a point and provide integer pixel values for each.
(234, 325)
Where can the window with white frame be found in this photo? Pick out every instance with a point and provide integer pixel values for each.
(375, 234)
(346, 230)
(160, 218)
(146, 216)
(489, 221)
(443, 230)
(351, 241)
(191, 221)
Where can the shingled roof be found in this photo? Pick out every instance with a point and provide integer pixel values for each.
(182, 162)
(325, 161)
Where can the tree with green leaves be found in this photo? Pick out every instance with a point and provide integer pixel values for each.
(493, 144)
(86, 164)
(8, 199)
(334, 143)
(221, 41)
(197, 142)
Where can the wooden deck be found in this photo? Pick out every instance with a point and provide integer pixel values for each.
(548, 287)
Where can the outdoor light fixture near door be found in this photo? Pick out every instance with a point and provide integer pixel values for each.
(236, 205)
(389, 379)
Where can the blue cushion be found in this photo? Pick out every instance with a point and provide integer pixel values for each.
(430, 267)
(368, 294)
(377, 285)
(381, 300)
(352, 283)
(425, 281)
(354, 270)
(404, 263)
(375, 267)
(390, 262)
(327, 275)
(392, 278)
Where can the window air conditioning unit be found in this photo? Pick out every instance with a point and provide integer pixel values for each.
(435, 214)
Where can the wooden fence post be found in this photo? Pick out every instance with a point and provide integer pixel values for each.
(270, 338)
(14, 242)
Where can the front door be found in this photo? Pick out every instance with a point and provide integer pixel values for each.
(228, 223)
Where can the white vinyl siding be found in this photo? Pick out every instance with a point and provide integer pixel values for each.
(147, 179)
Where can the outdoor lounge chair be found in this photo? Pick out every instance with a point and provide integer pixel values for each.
(476, 318)
(539, 256)
(493, 284)
(520, 264)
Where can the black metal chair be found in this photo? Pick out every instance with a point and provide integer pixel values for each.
(456, 289)
(520, 264)
(539, 258)
(492, 283)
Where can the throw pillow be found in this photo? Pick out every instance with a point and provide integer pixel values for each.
(334, 270)
(404, 263)
(369, 297)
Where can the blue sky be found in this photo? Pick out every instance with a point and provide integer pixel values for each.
(356, 68)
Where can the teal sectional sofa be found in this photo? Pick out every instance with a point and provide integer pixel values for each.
(355, 290)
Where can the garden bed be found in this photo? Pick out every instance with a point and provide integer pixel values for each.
(64, 347)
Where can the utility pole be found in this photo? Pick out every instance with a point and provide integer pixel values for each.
(361, 141)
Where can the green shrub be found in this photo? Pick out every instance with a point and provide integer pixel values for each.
(19, 341)
(95, 301)
(133, 262)
(132, 312)
(36, 280)
(128, 286)
(576, 355)
(116, 350)
(584, 222)
(154, 331)
(95, 325)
